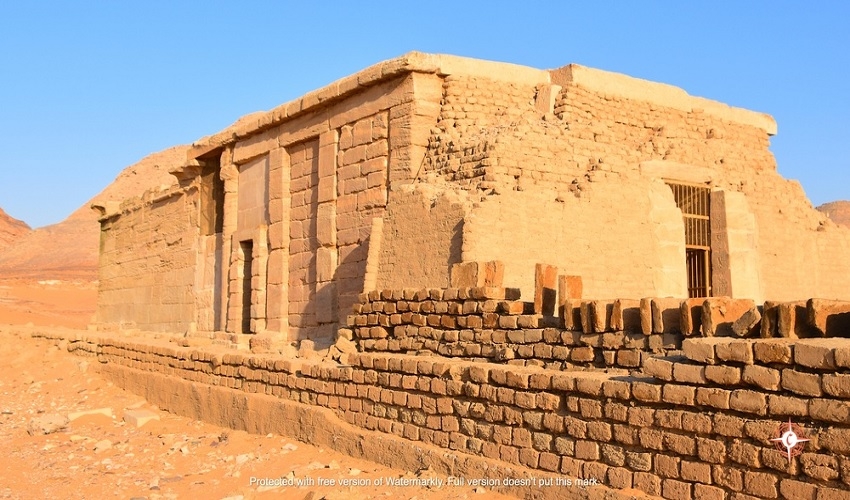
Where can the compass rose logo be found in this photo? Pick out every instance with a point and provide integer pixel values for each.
(791, 439)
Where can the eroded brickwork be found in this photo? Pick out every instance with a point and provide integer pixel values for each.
(363, 177)
(424, 236)
(694, 426)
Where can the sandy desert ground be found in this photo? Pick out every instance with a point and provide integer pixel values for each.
(47, 302)
(99, 455)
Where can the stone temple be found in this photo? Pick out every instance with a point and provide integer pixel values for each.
(390, 177)
(495, 271)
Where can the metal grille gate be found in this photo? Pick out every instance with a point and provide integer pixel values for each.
(694, 203)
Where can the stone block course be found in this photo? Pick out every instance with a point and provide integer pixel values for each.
(817, 354)
(672, 444)
(515, 336)
(827, 316)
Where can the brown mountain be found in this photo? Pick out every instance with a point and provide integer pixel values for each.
(68, 250)
(838, 211)
(11, 229)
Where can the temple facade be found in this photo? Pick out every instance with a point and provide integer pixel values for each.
(391, 177)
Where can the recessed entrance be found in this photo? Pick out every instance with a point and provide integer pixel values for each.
(247, 250)
(693, 201)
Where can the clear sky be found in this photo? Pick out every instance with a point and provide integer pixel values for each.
(88, 88)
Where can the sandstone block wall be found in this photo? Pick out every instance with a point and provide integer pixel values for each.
(330, 178)
(303, 188)
(303, 233)
(147, 263)
(363, 166)
(209, 282)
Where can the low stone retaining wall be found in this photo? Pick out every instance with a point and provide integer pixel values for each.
(700, 425)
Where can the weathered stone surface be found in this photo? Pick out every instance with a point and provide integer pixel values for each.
(817, 353)
(261, 342)
(690, 321)
(700, 350)
(719, 314)
(746, 325)
(646, 316)
(140, 417)
(587, 320)
(571, 314)
(739, 351)
(345, 346)
(106, 412)
(569, 287)
(792, 320)
(829, 317)
(666, 315)
(773, 351)
(766, 378)
(307, 349)
(625, 316)
(47, 424)
(477, 274)
(602, 315)
(545, 289)
(770, 320)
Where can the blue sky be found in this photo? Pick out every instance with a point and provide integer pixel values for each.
(88, 88)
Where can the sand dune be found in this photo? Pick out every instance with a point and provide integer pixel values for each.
(68, 250)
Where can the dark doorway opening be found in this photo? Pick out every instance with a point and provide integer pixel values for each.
(247, 249)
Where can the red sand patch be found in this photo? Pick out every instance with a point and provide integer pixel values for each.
(47, 302)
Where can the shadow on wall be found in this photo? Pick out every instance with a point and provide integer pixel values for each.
(838, 324)
(348, 282)
(456, 245)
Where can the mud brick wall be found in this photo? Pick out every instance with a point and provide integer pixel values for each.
(589, 135)
(584, 236)
(491, 324)
(147, 265)
(625, 132)
(416, 251)
(749, 385)
(632, 131)
(473, 111)
(500, 138)
(679, 432)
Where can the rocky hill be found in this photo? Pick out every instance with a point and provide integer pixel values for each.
(838, 211)
(68, 250)
(11, 230)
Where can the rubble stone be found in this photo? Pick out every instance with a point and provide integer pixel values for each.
(47, 424)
